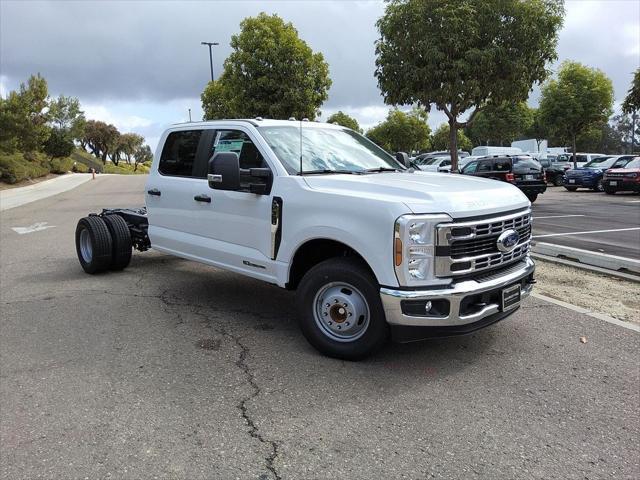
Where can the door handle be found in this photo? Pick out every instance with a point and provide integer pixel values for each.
(202, 198)
(155, 192)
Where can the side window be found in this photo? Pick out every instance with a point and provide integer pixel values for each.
(582, 158)
(470, 168)
(445, 163)
(239, 142)
(485, 166)
(545, 163)
(179, 153)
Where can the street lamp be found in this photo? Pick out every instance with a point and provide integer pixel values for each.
(210, 44)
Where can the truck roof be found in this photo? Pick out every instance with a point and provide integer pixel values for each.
(259, 122)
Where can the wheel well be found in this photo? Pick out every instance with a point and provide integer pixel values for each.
(315, 251)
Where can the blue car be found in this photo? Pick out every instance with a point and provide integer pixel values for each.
(590, 176)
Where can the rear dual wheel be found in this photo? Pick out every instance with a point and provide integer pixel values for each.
(103, 243)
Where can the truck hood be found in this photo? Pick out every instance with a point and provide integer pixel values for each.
(423, 192)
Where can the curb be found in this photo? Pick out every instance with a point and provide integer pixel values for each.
(599, 316)
(607, 262)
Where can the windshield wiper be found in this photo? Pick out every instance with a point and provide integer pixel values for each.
(380, 169)
(327, 170)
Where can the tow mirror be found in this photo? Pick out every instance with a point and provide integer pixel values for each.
(224, 171)
(403, 158)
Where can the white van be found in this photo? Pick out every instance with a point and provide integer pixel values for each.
(484, 150)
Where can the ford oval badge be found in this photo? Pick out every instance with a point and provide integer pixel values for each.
(508, 240)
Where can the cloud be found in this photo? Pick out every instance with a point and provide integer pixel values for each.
(140, 65)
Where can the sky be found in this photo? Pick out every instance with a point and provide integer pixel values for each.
(140, 65)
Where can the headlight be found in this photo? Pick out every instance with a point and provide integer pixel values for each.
(414, 247)
(631, 175)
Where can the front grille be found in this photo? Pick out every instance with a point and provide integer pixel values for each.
(464, 248)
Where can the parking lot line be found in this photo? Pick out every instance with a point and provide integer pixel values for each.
(585, 233)
(557, 216)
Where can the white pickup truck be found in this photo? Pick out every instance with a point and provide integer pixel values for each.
(375, 250)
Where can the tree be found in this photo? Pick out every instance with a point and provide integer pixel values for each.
(464, 54)
(501, 124)
(345, 120)
(537, 129)
(271, 72)
(441, 139)
(579, 99)
(631, 105)
(23, 117)
(100, 138)
(65, 115)
(130, 143)
(143, 155)
(59, 143)
(401, 132)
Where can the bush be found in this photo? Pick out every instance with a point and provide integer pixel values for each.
(16, 167)
(61, 165)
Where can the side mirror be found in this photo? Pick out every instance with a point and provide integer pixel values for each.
(403, 158)
(224, 171)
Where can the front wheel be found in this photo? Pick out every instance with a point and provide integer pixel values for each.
(609, 191)
(340, 310)
(557, 180)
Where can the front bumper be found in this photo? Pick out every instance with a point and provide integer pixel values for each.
(533, 188)
(588, 182)
(619, 185)
(472, 304)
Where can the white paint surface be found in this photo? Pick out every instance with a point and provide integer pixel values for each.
(36, 227)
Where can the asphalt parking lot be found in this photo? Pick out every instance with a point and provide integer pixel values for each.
(172, 369)
(589, 221)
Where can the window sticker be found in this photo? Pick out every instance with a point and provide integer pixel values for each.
(229, 146)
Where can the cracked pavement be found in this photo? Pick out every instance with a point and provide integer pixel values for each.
(175, 370)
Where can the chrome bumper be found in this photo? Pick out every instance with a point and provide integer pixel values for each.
(455, 294)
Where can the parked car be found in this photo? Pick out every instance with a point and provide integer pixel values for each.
(581, 158)
(554, 170)
(520, 170)
(625, 179)
(434, 164)
(373, 249)
(447, 153)
(590, 176)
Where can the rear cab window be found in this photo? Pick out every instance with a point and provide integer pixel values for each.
(179, 153)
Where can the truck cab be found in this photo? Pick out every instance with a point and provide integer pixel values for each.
(373, 248)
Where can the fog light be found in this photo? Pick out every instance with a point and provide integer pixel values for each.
(427, 307)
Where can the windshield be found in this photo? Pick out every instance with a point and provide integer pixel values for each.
(427, 160)
(326, 150)
(635, 163)
(523, 164)
(597, 162)
(601, 162)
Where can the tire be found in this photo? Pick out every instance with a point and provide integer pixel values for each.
(93, 244)
(608, 191)
(336, 290)
(557, 180)
(121, 239)
(532, 198)
(599, 187)
(571, 189)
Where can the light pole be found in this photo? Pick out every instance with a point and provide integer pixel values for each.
(210, 44)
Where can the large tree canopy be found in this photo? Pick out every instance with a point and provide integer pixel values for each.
(632, 101)
(441, 139)
(501, 124)
(402, 132)
(463, 54)
(271, 72)
(579, 99)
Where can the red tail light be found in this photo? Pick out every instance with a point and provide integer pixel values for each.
(510, 177)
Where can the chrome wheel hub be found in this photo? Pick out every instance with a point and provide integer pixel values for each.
(86, 249)
(341, 312)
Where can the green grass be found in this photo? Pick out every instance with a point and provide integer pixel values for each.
(16, 167)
